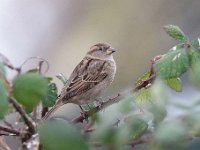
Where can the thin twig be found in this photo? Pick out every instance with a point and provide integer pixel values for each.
(7, 63)
(34, 113)
(138, 141)
(44, 111)
(10, 130)
(28, 121)
(8, 124)
(144, 83)
(3, 144)
(132, 143)
(40, 64)
(8, 134)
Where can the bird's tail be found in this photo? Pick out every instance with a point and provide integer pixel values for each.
(53, 109)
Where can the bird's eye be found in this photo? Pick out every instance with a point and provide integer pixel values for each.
(100, 48)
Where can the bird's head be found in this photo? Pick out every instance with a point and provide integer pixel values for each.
(101, 51)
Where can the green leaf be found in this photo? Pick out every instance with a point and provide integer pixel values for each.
(159, 113)
(144, 77)
(175, 32)
(49, 79)
(29, 89)
(34, 70)
(60, 135)
(173, 64)
(3, 100)
(51, 97)
(195, 43)
(170, 135)
(194, 75)
(143, 96)
(174, 83)
(194, 56)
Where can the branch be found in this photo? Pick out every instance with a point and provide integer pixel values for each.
(145, 83)
(113, 100)
(44, 111)
(4, 145)
(138, 141)
(97, 108)
(10, 130)
(132, 143)
(7, 63)
(28, 121)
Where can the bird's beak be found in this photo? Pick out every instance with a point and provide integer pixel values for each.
(110, 50)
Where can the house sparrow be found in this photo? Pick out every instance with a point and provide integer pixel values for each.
(89, 79)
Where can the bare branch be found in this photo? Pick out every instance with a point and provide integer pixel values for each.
(132, 143)
(44, 111)
(28, 121)
(92, 111)
(7, 63)
(10, 130)
(3, 144)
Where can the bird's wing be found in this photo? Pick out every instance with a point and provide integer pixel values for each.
(86, 75)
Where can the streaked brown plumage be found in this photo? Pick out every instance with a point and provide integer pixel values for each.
(90, 78)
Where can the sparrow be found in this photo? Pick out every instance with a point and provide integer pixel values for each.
(89, 79)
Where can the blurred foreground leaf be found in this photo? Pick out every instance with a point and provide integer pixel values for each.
(175, 32)
(143, 96)
(194, 144)
(3, 100)
(29, 89)
(170, 136)
(159, 113)
(60, 135)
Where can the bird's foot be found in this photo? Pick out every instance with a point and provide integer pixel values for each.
(83, 113)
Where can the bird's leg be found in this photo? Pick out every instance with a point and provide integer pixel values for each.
(83, 113)
(99, 101)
